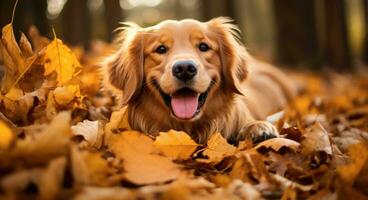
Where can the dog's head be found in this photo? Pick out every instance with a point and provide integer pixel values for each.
(183, 64)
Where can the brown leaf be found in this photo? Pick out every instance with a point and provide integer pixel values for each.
(175, 144)
(316, 139)
(141, 164)
(25, 46)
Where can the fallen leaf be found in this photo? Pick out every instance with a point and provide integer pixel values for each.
(175, 144)
(243, 190)
(286, 183)
(25, 46)
(42, 144)
(91, 131)
(105, 193)
(141, 164)
(60, 58)
(6, 136)
(16, 63)
(358, 156)
(118, 123)
(90, 168)
(64, 95)
(52, 176)
(277, 144)
(316, 139)
(217, 148)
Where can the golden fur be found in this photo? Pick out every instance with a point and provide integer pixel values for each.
(241, 90)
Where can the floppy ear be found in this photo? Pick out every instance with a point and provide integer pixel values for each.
(124, 68)
(232, 53)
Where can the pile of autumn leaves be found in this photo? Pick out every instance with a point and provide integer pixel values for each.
(60, 138)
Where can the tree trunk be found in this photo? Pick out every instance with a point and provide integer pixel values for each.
(217, 8)
(27, 13)
(113, 15)
(296, 34)
(76, 23)
(365, 53)
(337, 53)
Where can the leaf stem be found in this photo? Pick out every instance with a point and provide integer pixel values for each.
(15, 6)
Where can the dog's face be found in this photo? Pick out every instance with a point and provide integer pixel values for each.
(184, 65)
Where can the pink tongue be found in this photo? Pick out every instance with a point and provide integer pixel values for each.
(184, 107)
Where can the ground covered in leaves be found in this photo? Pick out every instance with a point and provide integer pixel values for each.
(63, 137)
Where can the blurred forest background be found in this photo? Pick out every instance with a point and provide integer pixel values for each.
(315, 34)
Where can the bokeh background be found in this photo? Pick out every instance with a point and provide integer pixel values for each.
(311, 34)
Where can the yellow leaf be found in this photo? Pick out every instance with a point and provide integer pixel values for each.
(60, 58)
(175, 144)
(218, 148)
(6, 136)
(64, 95)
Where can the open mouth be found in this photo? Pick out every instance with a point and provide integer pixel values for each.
(184, 103)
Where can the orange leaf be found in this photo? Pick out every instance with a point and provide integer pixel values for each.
(218, 148)
(175, 144)
(141, 164)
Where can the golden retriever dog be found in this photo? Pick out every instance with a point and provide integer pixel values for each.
(195, 77)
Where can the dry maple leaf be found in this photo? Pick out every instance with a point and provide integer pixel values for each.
(61, 59)
(175, 144)
(217, 148)
(141, 164)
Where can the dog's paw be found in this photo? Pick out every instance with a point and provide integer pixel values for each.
(258, 131)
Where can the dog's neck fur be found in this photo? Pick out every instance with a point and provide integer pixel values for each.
(147, 119)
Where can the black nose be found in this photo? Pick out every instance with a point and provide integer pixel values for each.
(184, 70)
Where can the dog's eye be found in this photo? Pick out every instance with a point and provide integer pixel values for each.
(161, 49)
(203, 47)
